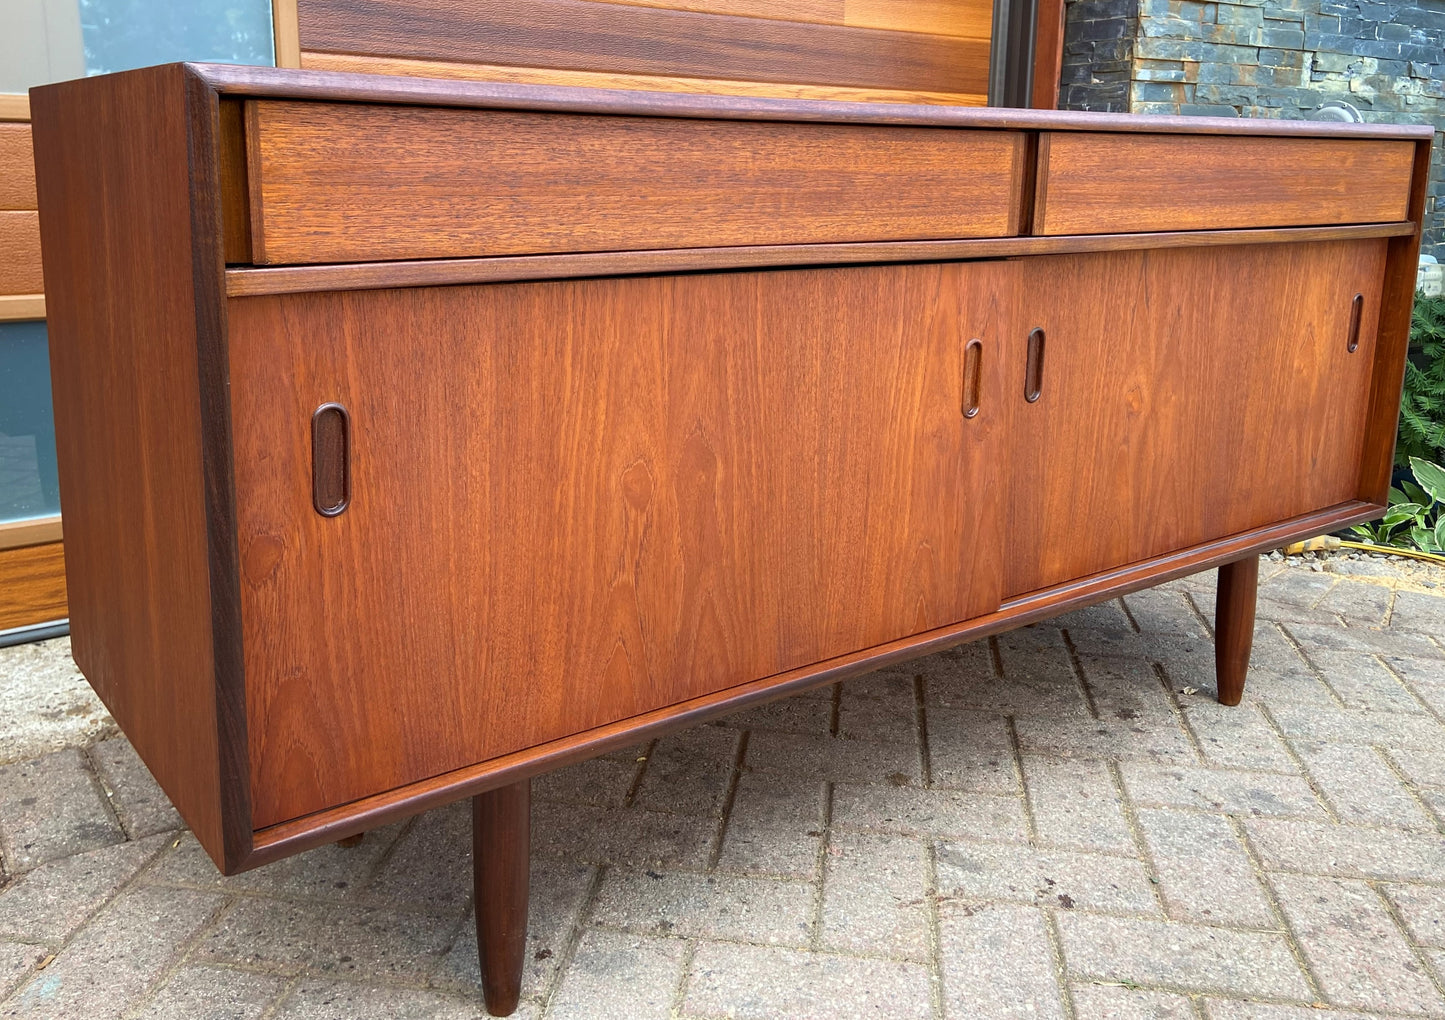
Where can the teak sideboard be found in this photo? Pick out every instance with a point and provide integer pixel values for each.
(417, 437)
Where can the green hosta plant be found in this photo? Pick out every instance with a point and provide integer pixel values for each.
(1422, 409)
(1415, 518)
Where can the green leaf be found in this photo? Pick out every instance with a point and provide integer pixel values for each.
(1430, 476)
(1422, 539)
(1440, 532)
(1403, 512)
(1416, 494)
(1364, 531)
(1396, 496)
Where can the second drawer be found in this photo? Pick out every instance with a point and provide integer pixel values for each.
(1108, 183)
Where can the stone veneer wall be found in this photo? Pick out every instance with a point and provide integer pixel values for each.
(1277, 58)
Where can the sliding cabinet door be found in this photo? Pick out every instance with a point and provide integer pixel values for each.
(1183, 395)
(575, 502)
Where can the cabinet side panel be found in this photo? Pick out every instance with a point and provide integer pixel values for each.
(113, 181)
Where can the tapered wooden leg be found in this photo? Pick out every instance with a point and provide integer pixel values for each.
(501, 849)
(1234, 627)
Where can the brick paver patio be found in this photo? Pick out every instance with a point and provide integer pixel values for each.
(1057, 823)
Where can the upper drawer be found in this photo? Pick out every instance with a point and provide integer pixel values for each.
(1094, 183)
(342, 182)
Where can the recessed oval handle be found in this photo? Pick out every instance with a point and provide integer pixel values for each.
(1034, 372)
(1357, 310)
(330, 459)
(972, 374)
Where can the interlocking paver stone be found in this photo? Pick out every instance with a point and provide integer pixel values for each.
(140, 804)
(874, 896)
(604, 782)
(215, 993)
(321, 999)
(1112, 1002)
(1362, 681)
(1056, 878)
(1058, 821)
(620, 976)
(1358, 955)
(1236, 736)
(997, 962)
(765, 982)
(1183, 956)
(1418, 611)
(1234, 1009)
(690, 772)
(47, 703)
(1361, 786)
(115, 957)
(930, 812)
(557, 895)
(971, 750)
(1076, 804)
(51, 807)
(1347, 851)
(16, 959)
(883, 706)
(719, 906)
(1232, 792)
(48, 903)
(776, 826)
(1422, 907)
(1204, 872)
(835, 758)
(627, 836)
(1163, 611)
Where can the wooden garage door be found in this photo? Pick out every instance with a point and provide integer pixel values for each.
(934, 51)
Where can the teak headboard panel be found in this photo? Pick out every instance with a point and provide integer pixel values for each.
(935, 52)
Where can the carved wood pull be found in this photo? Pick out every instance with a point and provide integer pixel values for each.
(972, 374)
(1034, 373)
(330, 459)
(1357, 308)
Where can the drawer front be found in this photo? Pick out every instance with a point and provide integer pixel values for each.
(572, 503)
(335, 182)
(1094, 183)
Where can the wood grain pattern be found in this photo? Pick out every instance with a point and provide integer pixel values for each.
(117, 225)
(286, 33)
(1234, 627)
(36, 531)
(251, 281)
(675, 485)
(14, 107)
(1209, 183)
(20, 271)
(235, 193)
(1048, 55)
(17, 168)
(333, 183)
(287, 838)
(1392, 342)
(21, 307)
(585, 36)
(970, 19)
(1144, 426)
(32, 585)
(501, 873)
(241, 80)
(551, 76)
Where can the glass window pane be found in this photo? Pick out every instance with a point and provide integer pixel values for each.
(121, 34)
(28, 484)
